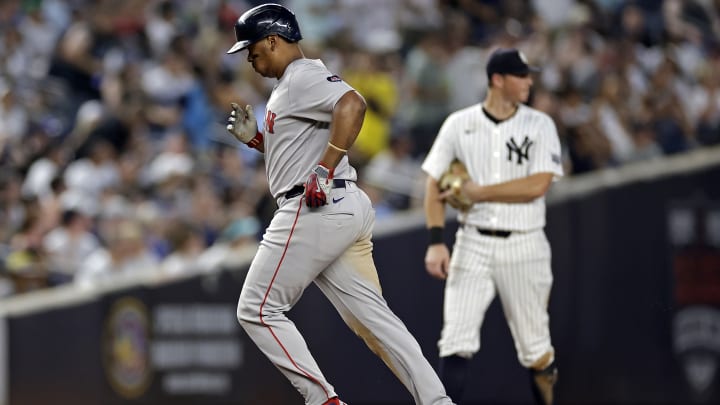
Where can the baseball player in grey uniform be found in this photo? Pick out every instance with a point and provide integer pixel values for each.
(322, 229)
(512, 155)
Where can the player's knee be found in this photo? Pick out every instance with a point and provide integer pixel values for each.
(247, 311)
(544, 361)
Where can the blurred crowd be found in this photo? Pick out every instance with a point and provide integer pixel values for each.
(114, 154)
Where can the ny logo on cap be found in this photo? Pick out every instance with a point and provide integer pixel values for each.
(522, 57)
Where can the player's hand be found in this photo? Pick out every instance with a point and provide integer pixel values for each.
(318, 186)
(437, 260)
(243, 126)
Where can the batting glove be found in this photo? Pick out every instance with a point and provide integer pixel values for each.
(318, 186)
(243, 126)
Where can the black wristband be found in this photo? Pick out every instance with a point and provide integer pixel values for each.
(436, 235)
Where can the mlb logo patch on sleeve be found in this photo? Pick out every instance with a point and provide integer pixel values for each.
(334, 78)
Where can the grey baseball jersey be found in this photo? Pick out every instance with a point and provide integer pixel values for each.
(516, 267)
(330, 246)
(297, 124)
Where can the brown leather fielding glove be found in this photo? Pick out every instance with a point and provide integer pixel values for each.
(453, 178)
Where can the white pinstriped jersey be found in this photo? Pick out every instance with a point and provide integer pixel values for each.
(522, 145)
(297, 124)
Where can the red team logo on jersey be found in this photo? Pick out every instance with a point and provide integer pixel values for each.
(270, 121)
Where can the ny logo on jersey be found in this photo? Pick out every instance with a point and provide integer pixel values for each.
(522, 151)
(270, 121)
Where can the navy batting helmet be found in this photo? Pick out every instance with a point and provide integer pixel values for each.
(263, 20)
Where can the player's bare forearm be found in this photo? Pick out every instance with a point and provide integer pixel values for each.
(514, 191)
(437, 256)
(347, 119)
(434, 206)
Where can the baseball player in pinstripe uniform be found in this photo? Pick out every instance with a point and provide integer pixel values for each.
(321, 232)
(512, 155)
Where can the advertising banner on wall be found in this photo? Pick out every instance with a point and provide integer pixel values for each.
(176, 343)
(694, 236)
(155, 345)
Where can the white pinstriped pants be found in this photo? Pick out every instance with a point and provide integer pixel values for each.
(517, 268)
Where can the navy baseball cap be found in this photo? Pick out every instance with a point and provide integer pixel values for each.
(509, 61)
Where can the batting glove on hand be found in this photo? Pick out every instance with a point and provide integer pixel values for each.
(243, 126)
(318, 186)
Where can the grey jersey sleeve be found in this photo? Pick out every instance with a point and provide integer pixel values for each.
(314, 91)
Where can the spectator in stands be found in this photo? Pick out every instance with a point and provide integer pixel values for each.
(174, 163)
(485, 15)
(13, 55)
(645, 145)
(321, 21)
(369, 73)
(92, 175)
(235, 246)
(166, 84)
(708, 96)
(426, 90)
(161, 27)
(674, 132)
(25, 258)
(74, 61)
(186, 245)
(395, 175)
(547, 102)
(206, 209)
(44, 170)
(123, 256)
(69, 245)
(589, 149)
(27, 270)
(39, 39)
(11, 206)
(465, 60)
(14, 121)
(613, 118)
